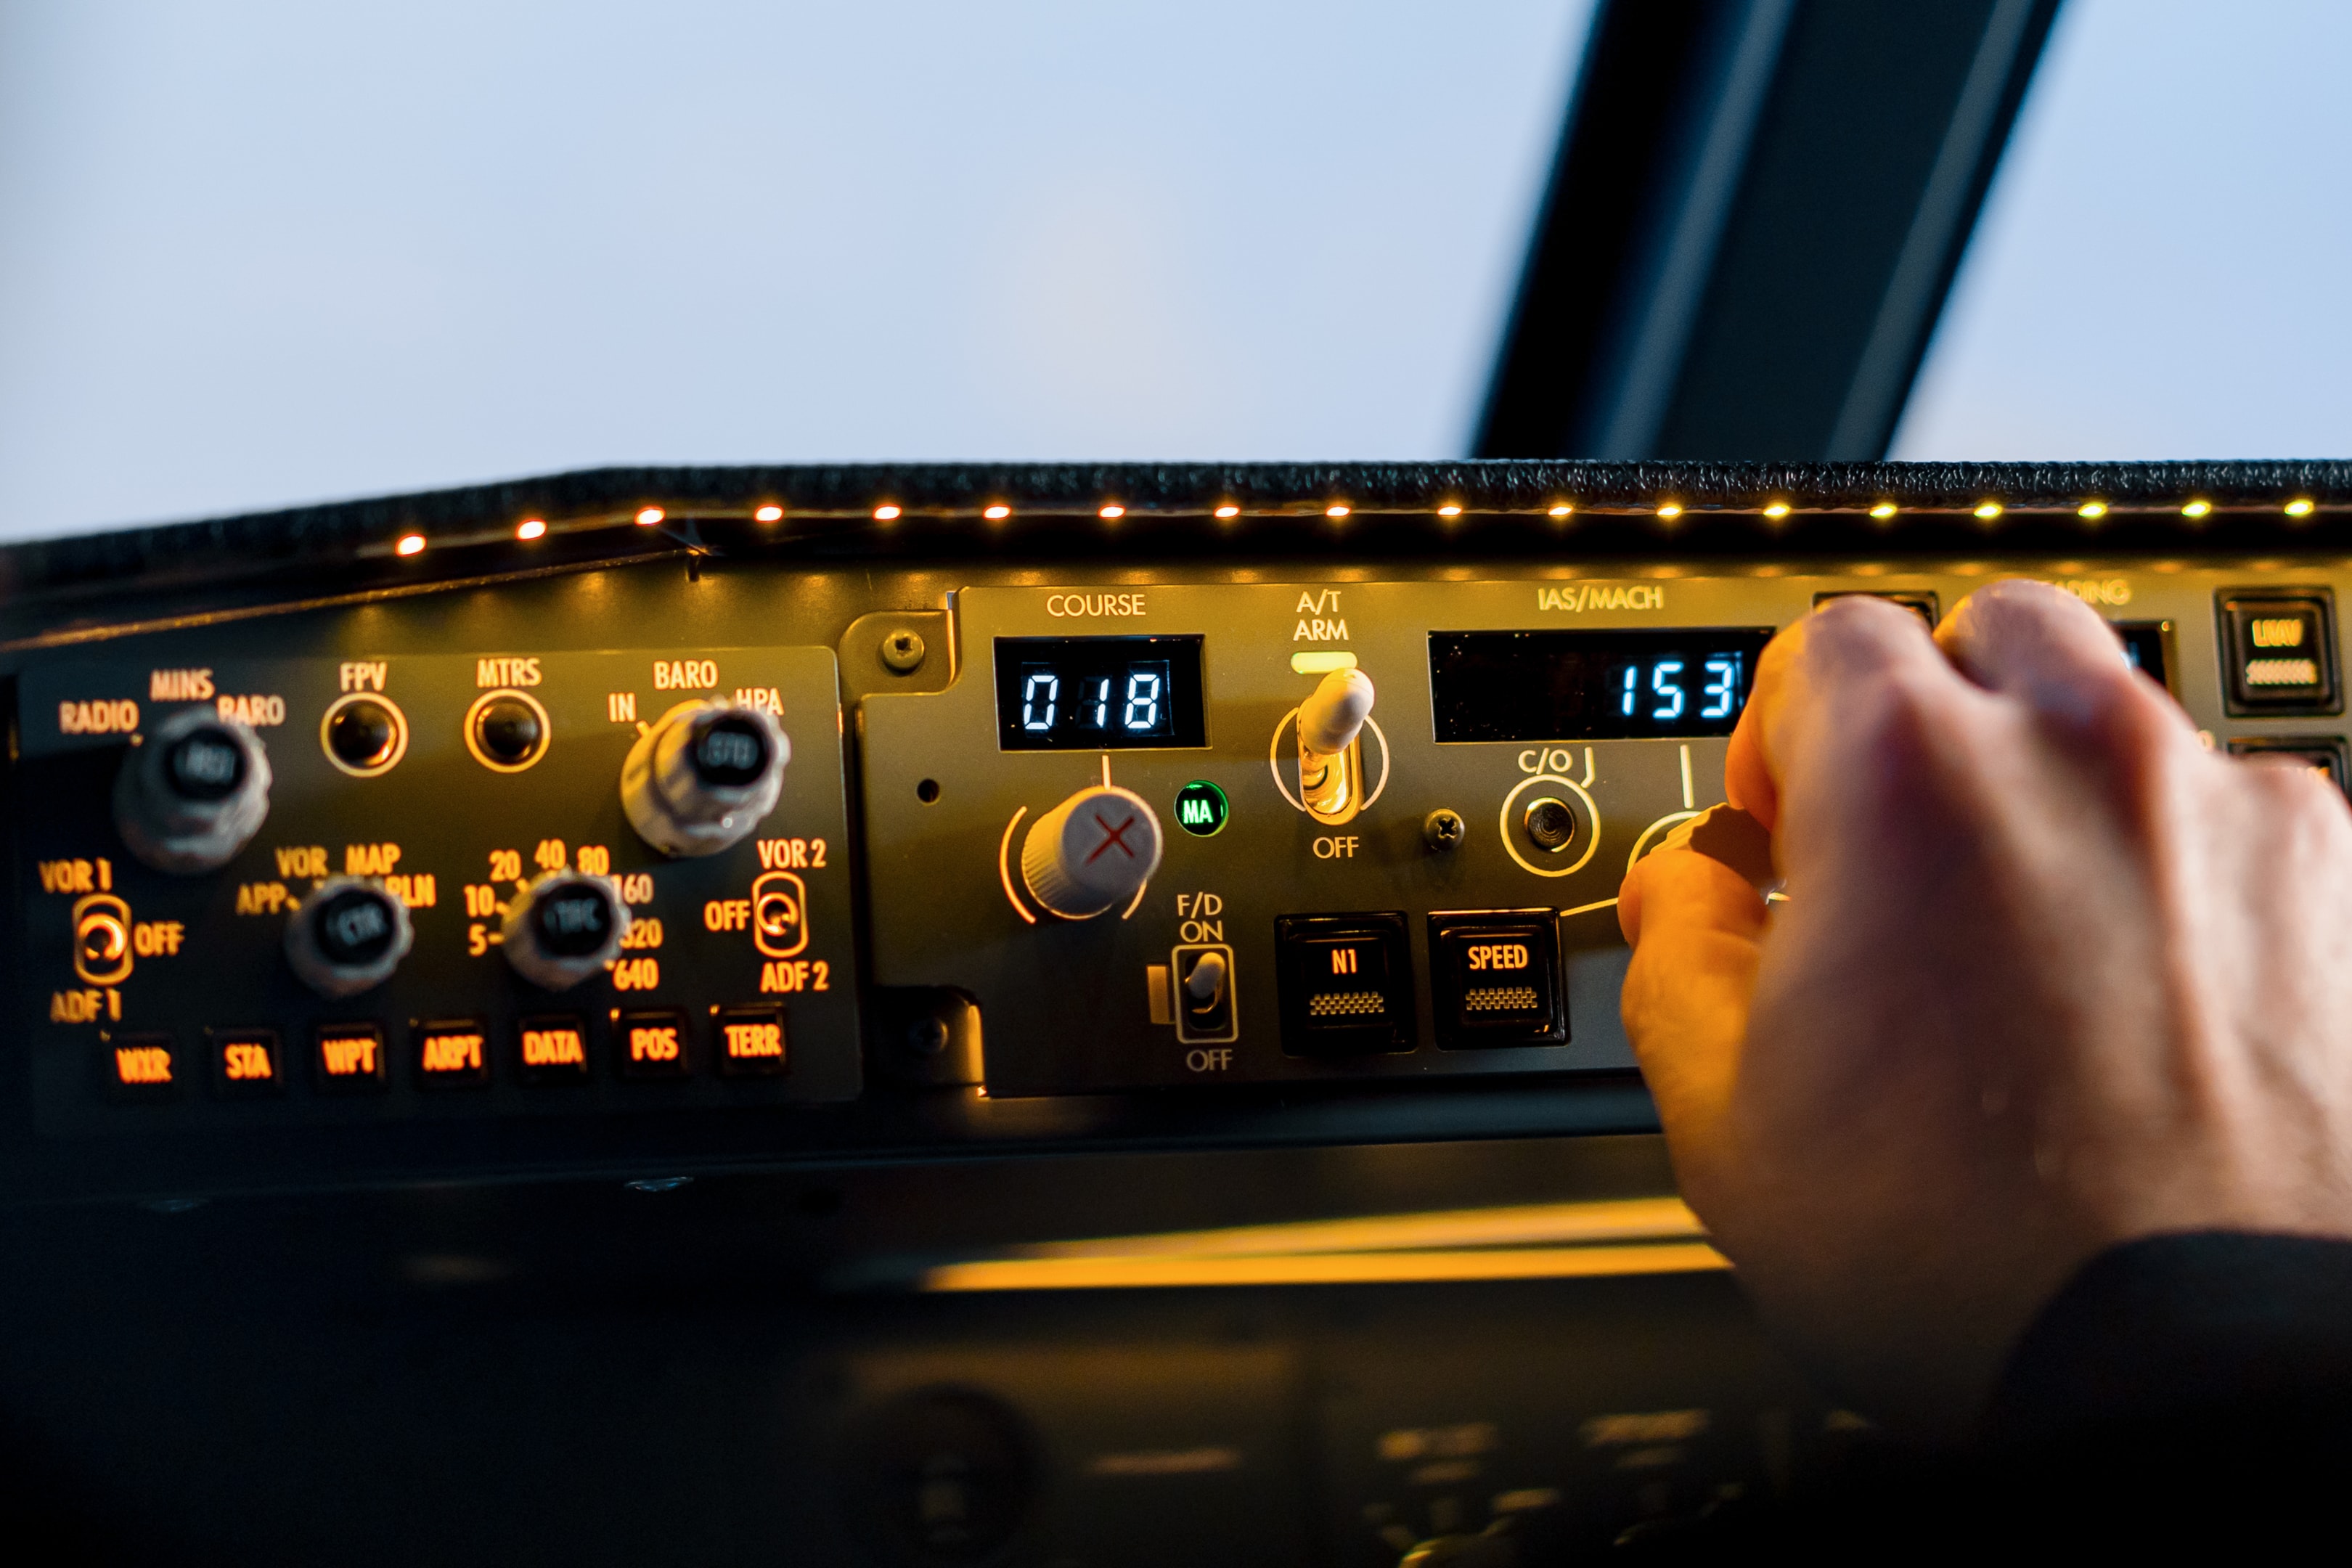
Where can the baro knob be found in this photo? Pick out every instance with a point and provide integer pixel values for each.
(193, 792)
(564, 928)
(701, 778)
(348, 936)
(1093, 852)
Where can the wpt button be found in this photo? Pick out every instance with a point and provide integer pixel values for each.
(1495, 976)
(350, 1059)
(2278, 653)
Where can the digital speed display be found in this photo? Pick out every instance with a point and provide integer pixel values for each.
(1592, 685)
(1098, 694)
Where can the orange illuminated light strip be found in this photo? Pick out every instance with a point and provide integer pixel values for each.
(1326, 1269)
(1524, 1224)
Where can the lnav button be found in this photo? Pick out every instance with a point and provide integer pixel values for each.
(2278, 652)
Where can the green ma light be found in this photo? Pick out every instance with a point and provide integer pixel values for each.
(1202, 809)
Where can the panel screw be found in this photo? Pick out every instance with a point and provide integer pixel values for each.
(1443, 828)
(902, 652)
(929, 1037)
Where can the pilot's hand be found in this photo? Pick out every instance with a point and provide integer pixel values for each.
(2049, 976)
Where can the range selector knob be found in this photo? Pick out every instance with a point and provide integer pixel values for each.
(564, 928)
(348, 936)
(194, 793)
(702, 777)
(1093, 852)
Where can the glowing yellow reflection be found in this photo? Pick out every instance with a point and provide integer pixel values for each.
(1988, 510)
(1883, 510)
(2091, 509)
(2299, 507)
(1776, 510)
(2197, 508)
(769, 514)
(529, 528)
(411, 544)
(1325, 1269)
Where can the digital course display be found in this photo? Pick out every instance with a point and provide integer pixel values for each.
(1095, 694)
(1591, 686)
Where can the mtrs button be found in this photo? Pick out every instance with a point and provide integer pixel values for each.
(141, 1067)
(751, 1041)
(553, 1050)
(653, 1045)
(1345, 983)
(350, 1057)
(1494, 977)
(2278, 653)
(453, 1054)
(247, 1063)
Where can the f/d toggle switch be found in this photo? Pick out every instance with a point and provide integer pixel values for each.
(348, 937)
(704, 775)
(564, 928)
(1203, 983)
(194, 793)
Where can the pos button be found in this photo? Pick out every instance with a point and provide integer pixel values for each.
(2278, 652)
(1495, 975)
(653, 1045)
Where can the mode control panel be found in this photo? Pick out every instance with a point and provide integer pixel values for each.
(267, 891)
(1351, 828)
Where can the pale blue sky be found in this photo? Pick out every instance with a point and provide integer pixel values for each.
(262, 251)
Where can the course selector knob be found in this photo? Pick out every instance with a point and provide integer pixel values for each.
(702, 777)
(193, 793)
(348, 936)
(1092, 853)
(564, 928)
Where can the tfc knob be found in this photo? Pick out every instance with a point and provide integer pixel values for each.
(194, 793)
(704, 775)
(348, 937)
(1092, 853)
(564, 928)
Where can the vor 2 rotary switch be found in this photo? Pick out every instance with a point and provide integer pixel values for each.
(1092, 853)
(702, 777)
(194, 793)
(564, 928)
(348, 936)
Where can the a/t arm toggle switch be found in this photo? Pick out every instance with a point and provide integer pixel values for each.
(193, 793)
(1331, 746)
(1092, 853)
(704, 775)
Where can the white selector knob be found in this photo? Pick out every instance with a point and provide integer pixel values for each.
(1330, 719)
(1092, 853)
(564, 928)
(348, 937)
(702, 777)
(193, 792)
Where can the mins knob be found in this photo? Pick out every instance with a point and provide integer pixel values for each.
(193, 793)
(565, 927)
(348, 936)
(704, 775)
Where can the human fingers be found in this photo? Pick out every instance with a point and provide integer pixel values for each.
(1809, 669)
(2034, 642)
(1696, 925)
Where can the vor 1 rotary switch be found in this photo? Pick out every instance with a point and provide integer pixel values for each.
(564, 928)
(1093, 852)
(348, 936)
(1330, 753)
(194, 793)
(702, 777)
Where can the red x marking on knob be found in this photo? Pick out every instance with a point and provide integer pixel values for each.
(1112, 835)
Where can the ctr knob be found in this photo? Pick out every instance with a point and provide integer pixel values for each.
(564, 928)
(1091, 853)
(194, 793)
(704, 775)
(348, 937)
